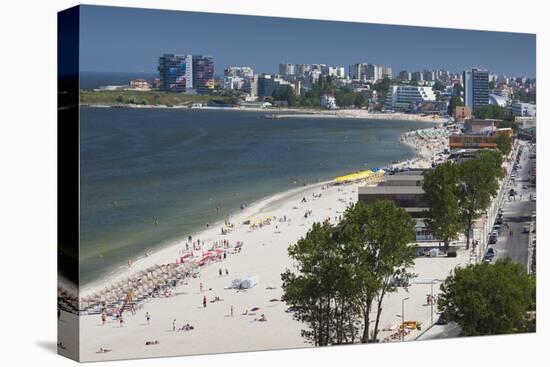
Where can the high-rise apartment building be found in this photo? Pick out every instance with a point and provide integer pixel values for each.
(185, 73)
(476, 88)
(287, 69)
(203, 74)
(175, 72)
(404, 76)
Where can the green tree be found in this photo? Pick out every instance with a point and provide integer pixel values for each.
(512, 124)
(382, 88)
(458, 89)
(284, 93)
(384, 233)
(490, 111)
(504, 144)
(321, 293)
(439, 86)
(440, 185)
(359, 100)
(478, 184)
(455, 101)
(487, 299)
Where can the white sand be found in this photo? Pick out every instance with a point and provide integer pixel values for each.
(290, 112)
(264, 254)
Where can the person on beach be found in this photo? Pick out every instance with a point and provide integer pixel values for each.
(103, 318)
(225, 255)
(232, 311)
(226, 272)
(220, 272)
(201, 287)
(120, 320)
(174, 325)
(147, 317)
(204, 302)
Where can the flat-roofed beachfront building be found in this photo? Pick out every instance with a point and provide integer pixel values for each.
(405, 190)
(524, 109)
(476, 88)
(479, 140)
(462, 113)
(400, 97)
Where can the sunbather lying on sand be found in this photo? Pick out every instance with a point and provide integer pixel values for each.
(186, 327)
(152, 342)
(103, 350)
(261, 318)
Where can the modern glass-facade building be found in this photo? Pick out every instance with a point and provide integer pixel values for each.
(175, 72)
(476, 88)
(186, 73)
(203, 74)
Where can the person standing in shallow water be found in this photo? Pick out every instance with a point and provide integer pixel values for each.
(204, 302)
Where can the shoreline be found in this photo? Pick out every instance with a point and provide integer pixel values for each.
(289, 112)
(167, 252)
(264, 256)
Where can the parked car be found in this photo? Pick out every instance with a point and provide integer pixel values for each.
(441, 320)
(492, 240)
(490, 252)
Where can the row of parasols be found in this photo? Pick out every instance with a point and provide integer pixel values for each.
(136, 288)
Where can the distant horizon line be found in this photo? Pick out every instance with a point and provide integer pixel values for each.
(410, 70)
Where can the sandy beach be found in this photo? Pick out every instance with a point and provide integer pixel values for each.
(263, 255)
(289, 112)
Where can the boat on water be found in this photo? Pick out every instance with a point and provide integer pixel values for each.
(273, 116)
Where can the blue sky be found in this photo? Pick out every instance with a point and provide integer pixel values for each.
(130, 40)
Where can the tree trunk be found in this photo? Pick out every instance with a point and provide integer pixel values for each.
(468, 229)
(378, 313)
(366, 318)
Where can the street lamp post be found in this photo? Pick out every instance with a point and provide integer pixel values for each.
(403, 318)
(432, 303)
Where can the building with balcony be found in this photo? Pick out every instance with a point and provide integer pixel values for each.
(401, 97)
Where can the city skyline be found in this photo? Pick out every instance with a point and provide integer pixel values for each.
(132, 39)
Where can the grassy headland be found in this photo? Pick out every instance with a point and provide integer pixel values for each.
(151, 98)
